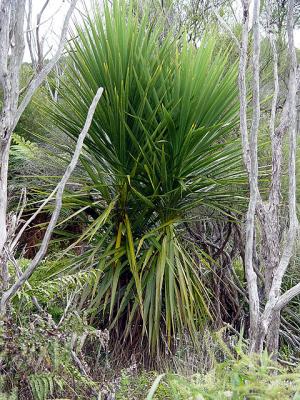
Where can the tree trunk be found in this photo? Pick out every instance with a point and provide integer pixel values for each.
(271, 257)
(272, 340)
(257, 339)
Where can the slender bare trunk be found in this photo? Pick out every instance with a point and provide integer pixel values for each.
(265, 319)
(23, 278)
(12, 20)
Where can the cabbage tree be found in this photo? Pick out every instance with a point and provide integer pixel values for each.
(161, 144)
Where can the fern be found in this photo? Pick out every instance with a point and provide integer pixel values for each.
(22, 149)
(42, 385)
(57, 287)
(53, 280)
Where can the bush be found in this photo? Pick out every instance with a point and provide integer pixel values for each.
(161, 144)
(248, 377)
(41, 360)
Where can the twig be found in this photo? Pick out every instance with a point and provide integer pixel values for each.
(38, 79)
(227, 28)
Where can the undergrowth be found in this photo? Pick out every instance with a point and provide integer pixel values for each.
(245, 377)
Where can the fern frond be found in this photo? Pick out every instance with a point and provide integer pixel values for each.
(42, 385)
(50, 289)
(22, 149)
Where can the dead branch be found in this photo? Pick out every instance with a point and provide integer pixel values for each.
(8, 294)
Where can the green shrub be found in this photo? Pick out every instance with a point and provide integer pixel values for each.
(37, 358)
(161, 143)
(248, 377)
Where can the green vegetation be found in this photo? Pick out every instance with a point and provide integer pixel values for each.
(247, 377)
(159, 146)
